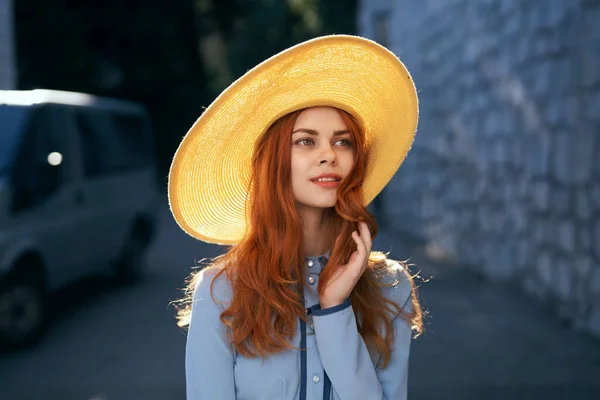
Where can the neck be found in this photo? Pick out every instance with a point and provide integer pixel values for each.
(315, 243)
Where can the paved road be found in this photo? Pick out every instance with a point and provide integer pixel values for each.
(482, 340)
(488, 341)
(110, 342)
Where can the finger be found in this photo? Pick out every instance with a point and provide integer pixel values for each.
(367, 240)
(354, 263)
(366, 235)
(360, 245)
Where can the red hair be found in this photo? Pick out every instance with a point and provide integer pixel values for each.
(267, 280)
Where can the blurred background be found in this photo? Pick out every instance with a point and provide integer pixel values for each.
(497, 204)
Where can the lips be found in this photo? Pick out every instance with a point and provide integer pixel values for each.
(327, 184)
(328, 177)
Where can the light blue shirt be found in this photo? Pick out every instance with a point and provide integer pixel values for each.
(336, 364)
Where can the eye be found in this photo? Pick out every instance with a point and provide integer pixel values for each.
(345, 142)
(305, 140)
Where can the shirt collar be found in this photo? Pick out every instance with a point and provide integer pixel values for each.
(318, 262)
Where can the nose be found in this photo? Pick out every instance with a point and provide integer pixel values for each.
(327, 155)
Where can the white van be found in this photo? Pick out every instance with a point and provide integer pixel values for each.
(78, 196)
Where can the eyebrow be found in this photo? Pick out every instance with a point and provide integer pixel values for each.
(314, 132)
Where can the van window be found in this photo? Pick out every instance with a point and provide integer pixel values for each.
(12, 120)
(43, 158)
(112, 142)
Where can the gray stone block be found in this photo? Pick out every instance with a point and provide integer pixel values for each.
(582, 204)
(567, 235)
(583, 265)
(584, 235)
(501, 262)
(521, 49)
(524, 250)
(541, 195)
(428, 207)
(582, 157)
(590, 64)
(539, 235)
(538, 148)
(561, 160)
(560, 200)
(563, 282)
(544, 268)
(531, 18)
(596, 237)
(563, 76)
(509, 121)
(519, 216)
(499, 152)
(594, 319)
(591, 106)
(510, 111)
(484, 218)
(594, 287)
(588, 22)
(489, 124)
(554, 109)
(594, 195)
(507, 7)
(557, 12)
(542, 79)
(512, 25)
(522, 187)
(532, 287)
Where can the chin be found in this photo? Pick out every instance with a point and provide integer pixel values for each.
(319, 204)
(324, 204)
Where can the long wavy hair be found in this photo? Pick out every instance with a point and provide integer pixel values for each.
(267, 280)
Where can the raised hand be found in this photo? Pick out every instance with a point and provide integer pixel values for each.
(342, 283)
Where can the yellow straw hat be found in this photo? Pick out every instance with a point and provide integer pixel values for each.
(210, 172)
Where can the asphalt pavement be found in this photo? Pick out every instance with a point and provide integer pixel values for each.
(487, 340)
(482, 340)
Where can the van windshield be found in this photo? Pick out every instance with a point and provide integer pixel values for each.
(12, 122)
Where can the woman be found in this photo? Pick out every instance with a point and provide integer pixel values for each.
(281, 167)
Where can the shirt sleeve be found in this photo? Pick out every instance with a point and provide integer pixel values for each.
(209, 357)
(394, 378)
(346, 360)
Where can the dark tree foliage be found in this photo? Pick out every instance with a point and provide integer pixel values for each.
(149, 51)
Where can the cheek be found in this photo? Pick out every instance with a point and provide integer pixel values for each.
(297, 169)
(347, 161)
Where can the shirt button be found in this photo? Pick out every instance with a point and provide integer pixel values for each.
(310, 263)
(311, 280)
(316, 379)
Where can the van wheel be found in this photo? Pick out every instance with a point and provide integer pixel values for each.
(23, 311)
(129, 267)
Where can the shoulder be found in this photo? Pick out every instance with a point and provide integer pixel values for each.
(396, 280)
(215, 277)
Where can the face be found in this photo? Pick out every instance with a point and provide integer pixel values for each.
(321, 145)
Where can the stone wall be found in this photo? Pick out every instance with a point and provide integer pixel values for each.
(7, 72)
(504, 173)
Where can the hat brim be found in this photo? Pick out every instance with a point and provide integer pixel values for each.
(210, 172)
